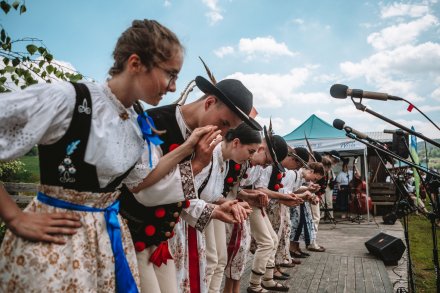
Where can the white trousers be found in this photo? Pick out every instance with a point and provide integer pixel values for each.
(266, 240)
(216, 254)
(156, 279)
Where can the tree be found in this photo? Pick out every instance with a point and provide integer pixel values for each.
(33, 64)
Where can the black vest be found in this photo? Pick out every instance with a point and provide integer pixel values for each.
(152, 225)
(62, 163)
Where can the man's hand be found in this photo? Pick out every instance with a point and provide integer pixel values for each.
(223, 212)
(203, 150)
(313, 187)
(47, 227)
(255, 197)
(198, 134)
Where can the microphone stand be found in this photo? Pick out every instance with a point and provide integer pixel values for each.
(400, 201)
(430, 216)
(364, 108)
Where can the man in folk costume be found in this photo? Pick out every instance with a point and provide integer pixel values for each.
(153, 213)
(279, 214)
(262, 276)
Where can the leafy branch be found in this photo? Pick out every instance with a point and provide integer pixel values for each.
(23, 68)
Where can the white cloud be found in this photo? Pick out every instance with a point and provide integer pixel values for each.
(397, 71)
(278, 124)
(276, 90)
(298, 21)
(214, 14)
(401, 34)
(436, 94)
(167, 3)
(265, 46)
(400, 9)
(425, 127)
(425, 109)
(223, 51)
(323, 115)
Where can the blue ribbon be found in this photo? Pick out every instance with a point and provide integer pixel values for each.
(124, 279)
(149, 136)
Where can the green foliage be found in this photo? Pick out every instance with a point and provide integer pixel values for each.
(32, 165)
(14, 171)
(421, 252)
(24, 68)
(33, 152)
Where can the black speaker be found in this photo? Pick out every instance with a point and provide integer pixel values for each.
(388, 248)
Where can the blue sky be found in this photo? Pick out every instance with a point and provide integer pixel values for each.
(288, 52)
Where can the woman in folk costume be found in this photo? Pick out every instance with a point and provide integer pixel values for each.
(164, 217)
(302, 222)
(239, 144)
(238, 237)
(70, 237)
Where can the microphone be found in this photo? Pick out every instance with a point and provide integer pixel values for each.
(340, 124)
(396, 131)
(340, 91)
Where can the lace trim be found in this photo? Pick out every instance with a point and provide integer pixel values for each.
(123, 113)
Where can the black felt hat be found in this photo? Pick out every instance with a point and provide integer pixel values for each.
(233, 94)
(277, 148)
(335, 154)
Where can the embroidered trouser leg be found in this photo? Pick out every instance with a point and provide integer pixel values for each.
(222, 256)
(154, 278)
(266, 239)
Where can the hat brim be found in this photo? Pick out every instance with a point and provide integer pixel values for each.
(208, 88)
(272, 151)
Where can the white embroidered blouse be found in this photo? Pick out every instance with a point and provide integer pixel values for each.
(214, 187)
(41, 114)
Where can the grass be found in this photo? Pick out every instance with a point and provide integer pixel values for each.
(31, 165)
(420, 236)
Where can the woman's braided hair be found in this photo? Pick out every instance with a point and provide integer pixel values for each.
(150, 40)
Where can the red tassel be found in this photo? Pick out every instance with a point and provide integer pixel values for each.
(161, 255)
(410, 107)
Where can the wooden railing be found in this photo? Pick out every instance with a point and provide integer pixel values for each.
(17, 190)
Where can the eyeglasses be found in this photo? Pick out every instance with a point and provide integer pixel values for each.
(172, 75)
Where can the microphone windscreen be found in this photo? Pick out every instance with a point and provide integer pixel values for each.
(339, 91)
(338, 124)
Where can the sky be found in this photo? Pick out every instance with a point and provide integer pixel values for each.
(287, 52)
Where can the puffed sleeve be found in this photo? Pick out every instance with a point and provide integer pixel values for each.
(39, 114)
(264, 178)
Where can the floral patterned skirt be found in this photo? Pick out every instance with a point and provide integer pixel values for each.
(84, 264)
(239, 237)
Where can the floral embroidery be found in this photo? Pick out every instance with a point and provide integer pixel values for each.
(187, 180)
(84, 108)
(204, 217)
(66, 169)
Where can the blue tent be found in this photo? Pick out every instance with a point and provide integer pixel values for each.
(323, 137)
(315, 128)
